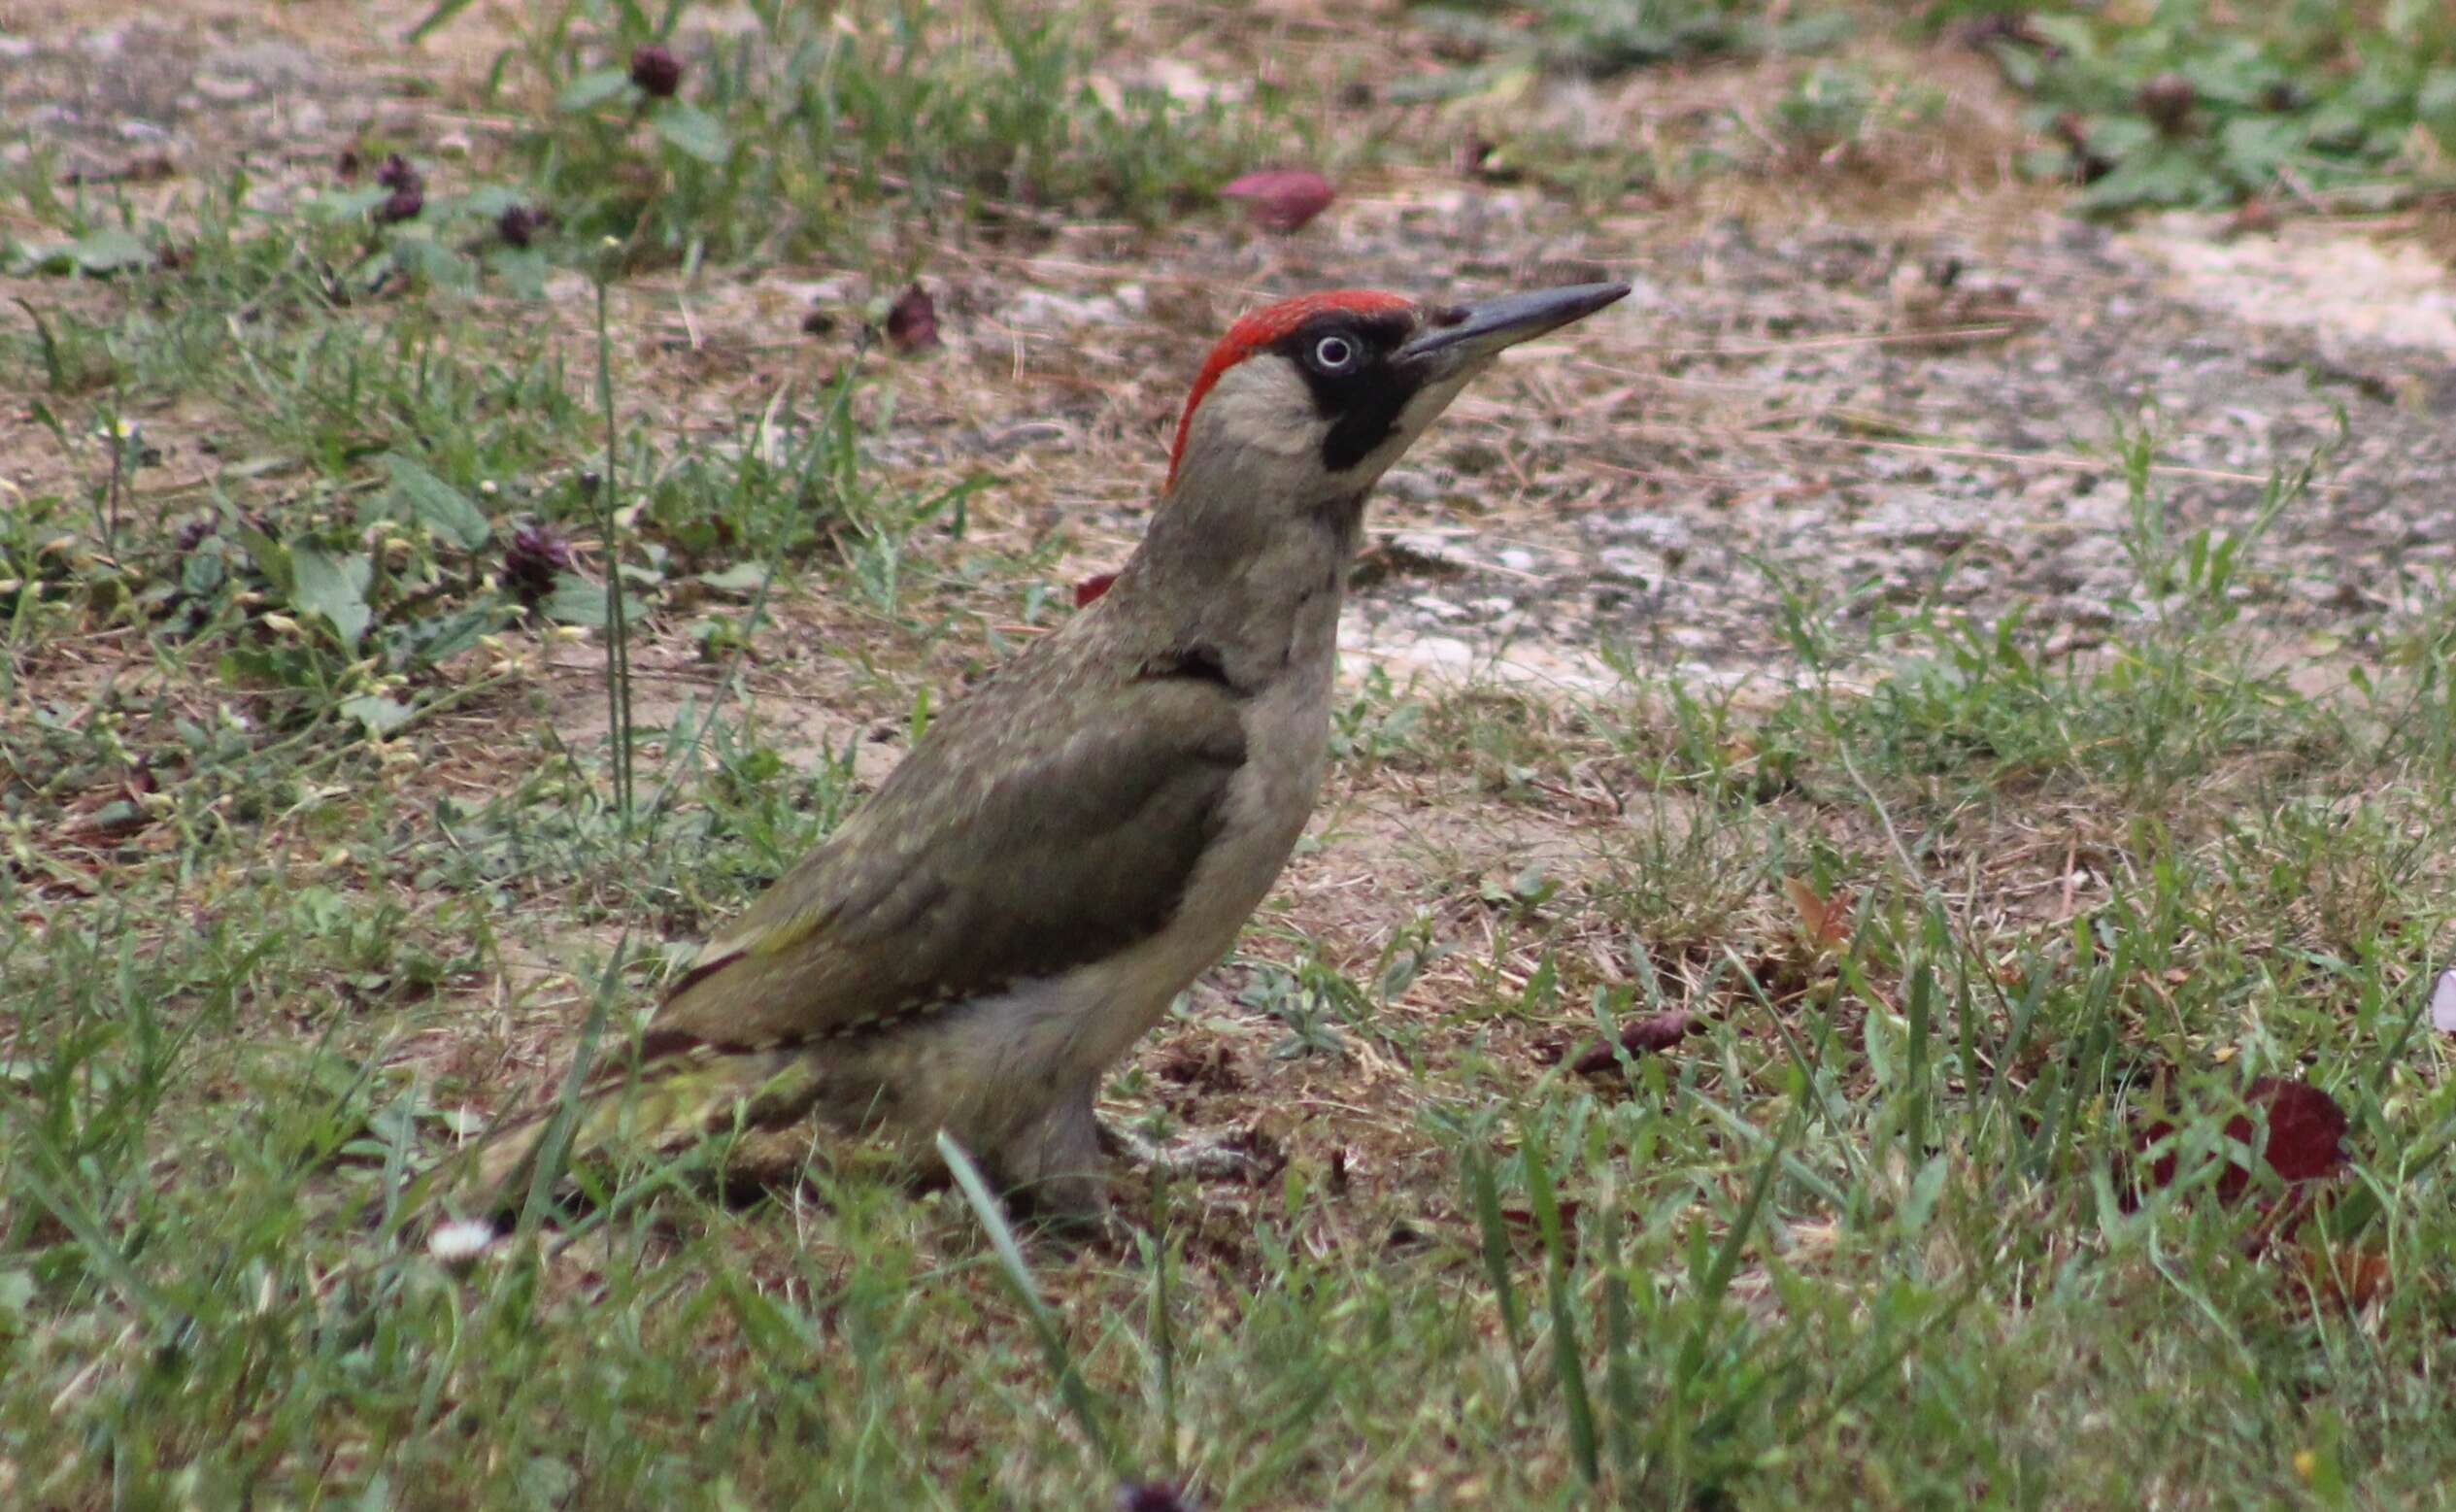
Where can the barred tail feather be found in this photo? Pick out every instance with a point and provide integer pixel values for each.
(665, 1109)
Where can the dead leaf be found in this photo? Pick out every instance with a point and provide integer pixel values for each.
(1281, 199)
(2256, 214)
(1092, 587)
(1825, 922)
(2347, 1279)
(1640, 1036)
(912, 322)
(1212, 1070)
(2306, 1132)
(2307, 1128)
(1486, 161)
(146, 168)
(1524, 1217)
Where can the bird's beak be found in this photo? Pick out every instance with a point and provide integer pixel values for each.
(1461, 338)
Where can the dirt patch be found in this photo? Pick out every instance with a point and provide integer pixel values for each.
(2345, 290)
(1909, 408)
(1775, 417)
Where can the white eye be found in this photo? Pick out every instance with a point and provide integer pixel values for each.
(1333, 353)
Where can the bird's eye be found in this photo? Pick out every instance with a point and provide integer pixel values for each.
(1335, 354)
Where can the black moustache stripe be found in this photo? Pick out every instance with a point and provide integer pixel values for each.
(1364, 402)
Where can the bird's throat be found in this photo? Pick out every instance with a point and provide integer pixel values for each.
(1260, 589)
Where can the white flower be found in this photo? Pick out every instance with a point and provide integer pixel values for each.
(461, 1241)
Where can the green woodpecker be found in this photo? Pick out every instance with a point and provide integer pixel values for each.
(1075, 841)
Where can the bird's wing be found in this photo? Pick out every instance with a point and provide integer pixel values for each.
(1021, 838)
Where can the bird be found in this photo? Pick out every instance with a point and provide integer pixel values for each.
(1078, 838)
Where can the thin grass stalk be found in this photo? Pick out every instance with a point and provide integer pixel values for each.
(618, 626)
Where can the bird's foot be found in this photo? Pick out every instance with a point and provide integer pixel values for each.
(1232, 1155)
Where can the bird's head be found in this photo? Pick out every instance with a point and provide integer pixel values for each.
(1311, 398)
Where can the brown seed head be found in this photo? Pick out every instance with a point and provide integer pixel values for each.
(535, 555)
(656, 70)
(399, 173)
(2168, 100)
(521, 224)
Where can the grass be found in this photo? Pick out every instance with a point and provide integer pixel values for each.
(2186, 104)
(2299, 107)
(978, 112)
(323, 829)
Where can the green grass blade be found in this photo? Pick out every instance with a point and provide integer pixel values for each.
(1072, 1386)
(1725, 1264)
(553, 1149)
(1485, 1194)
(434, 20)
(1566, 1364)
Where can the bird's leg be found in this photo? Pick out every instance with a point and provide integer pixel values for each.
(1051, 1166)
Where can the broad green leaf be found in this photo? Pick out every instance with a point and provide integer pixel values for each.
(523, 270)
(2435, 105)
(492, 200)
(108, 251)
(575, 600)
(2256, 148)
(425, 258)
(334, 584)
(742, 577)
(271, 557)
(436, 504)
(17, 1294)
(445, 636)
(201, 574)
(378, 715)
(347, 204)
(2159, 176)
(695, 131)
(595, 88)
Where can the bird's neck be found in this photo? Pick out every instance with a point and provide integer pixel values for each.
(1255, 582)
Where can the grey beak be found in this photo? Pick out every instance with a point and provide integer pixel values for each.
(1460, 336)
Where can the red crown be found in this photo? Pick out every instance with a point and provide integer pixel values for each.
(1261, 327)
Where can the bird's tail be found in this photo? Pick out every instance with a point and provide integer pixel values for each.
(666, 1108)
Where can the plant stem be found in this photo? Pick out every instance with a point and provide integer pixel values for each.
(617, 629)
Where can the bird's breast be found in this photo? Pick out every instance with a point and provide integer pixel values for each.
(1270, 799)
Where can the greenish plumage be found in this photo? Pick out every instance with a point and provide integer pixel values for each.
(1043, 825)
(1078, 839)
(686, 1098)
(1049, 820)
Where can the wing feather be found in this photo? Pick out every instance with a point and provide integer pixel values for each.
(1011, 844)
